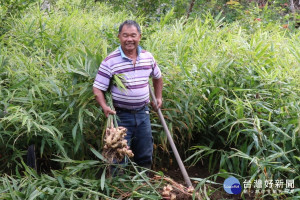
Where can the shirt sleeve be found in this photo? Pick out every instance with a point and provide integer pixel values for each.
(103, 77)
(156, 73)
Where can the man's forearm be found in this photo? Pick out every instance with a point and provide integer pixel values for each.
(99, 96)
(158, 85)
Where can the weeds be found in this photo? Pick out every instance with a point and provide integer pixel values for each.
(231, 99)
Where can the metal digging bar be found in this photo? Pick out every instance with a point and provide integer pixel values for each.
(170, 139)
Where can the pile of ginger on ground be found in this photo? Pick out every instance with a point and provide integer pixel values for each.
(176, 191)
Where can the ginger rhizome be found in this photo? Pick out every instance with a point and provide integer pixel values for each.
(116, 147)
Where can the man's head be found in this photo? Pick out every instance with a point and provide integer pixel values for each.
(129, 35)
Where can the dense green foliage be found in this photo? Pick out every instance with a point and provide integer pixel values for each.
(268, 10)
(231, 96)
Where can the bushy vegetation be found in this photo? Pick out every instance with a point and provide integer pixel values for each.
(231, 97)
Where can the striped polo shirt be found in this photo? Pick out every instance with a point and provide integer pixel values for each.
(135, 78)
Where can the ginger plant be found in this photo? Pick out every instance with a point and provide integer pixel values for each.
(115, 147)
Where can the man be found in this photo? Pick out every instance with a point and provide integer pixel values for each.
(137, 66)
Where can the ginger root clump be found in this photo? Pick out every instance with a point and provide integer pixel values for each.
(116, 147)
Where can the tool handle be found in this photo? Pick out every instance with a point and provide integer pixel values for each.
(170, 139)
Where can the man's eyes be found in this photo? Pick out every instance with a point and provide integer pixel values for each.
(133, 35)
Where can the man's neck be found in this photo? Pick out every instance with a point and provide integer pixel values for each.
(131, 54)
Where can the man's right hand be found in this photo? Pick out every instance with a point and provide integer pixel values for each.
(99, 95)
(108, 111)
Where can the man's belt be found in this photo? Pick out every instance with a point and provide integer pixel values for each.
(133, 111)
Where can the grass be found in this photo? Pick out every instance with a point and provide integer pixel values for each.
(233, 94)
(231, 99)
(78, 181)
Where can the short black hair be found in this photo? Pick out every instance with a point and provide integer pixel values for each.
(130, 23)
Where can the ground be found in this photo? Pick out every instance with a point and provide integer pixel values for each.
(213, 192)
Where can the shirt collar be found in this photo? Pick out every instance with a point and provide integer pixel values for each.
(139, 50)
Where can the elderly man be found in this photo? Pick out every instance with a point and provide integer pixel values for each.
(131, 105)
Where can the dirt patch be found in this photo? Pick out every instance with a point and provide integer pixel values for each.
(212, 191)
(193, 172)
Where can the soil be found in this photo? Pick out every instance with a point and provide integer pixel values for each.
(213, 192)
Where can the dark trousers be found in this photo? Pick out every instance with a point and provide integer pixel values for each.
(139, 134)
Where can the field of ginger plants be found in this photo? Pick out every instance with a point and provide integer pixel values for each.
(231, 100)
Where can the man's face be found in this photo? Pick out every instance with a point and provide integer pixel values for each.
(129, 38)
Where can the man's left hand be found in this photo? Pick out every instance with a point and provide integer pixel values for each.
(159, 104)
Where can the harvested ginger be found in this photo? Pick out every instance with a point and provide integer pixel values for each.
(116, 147)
